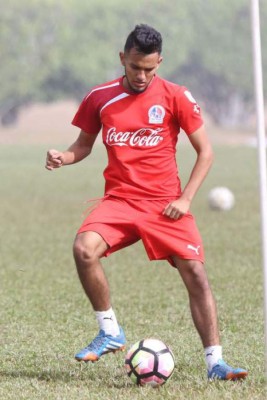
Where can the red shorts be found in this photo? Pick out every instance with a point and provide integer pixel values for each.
(122, 222)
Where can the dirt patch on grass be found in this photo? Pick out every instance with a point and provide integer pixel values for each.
(42, 123)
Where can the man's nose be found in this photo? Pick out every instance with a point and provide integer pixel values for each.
(141, 76)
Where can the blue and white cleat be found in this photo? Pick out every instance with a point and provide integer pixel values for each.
(224, 372)
(102, 344)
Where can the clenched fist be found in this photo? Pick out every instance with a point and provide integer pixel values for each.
(54, 159)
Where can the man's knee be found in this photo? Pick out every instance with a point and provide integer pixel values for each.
(193, 273)
(82, 252)
(88, 247)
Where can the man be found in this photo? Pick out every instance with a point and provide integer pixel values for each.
(140, 115)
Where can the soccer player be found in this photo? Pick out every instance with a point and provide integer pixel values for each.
(141, 115)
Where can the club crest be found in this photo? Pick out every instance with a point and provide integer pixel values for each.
(156, 114)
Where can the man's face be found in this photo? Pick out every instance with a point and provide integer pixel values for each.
(140, 69)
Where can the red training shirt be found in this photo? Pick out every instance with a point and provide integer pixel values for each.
(140, 132)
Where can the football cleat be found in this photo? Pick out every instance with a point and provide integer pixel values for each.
(223, 371)
(102, 344)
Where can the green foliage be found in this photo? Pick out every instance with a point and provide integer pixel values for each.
(28, 52)
(53, 49)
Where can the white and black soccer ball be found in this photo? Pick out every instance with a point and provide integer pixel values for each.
(149, 362)
(221, 198)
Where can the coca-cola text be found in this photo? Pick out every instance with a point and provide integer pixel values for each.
(141, 137)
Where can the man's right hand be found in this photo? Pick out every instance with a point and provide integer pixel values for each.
(54, 159)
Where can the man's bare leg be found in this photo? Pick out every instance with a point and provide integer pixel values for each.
(88, 248)
(204, 314)
(202, 303)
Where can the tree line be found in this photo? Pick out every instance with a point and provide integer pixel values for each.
(52, 50)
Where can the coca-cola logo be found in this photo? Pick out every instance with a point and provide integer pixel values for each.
(141, 137)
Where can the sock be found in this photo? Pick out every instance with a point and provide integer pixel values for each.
(213, 355)
(107, 321)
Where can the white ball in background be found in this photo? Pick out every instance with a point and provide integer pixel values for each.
(221, 198)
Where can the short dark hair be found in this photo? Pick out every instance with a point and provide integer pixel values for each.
(144, 39)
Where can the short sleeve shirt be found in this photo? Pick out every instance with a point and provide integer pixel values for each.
(140, 132)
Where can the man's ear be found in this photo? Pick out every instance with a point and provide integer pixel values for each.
(122, 58)
(160, 60)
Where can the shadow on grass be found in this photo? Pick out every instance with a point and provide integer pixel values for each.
(88, 376)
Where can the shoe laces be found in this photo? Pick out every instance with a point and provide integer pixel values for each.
(97, 342)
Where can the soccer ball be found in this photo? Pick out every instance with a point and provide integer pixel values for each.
(221, 198)
(149, 362)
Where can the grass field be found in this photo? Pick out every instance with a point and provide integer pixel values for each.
(45, 317)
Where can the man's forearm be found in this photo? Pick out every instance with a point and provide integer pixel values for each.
(75, 153)
(198, 174)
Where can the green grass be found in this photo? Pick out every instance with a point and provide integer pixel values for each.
(45, 317)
